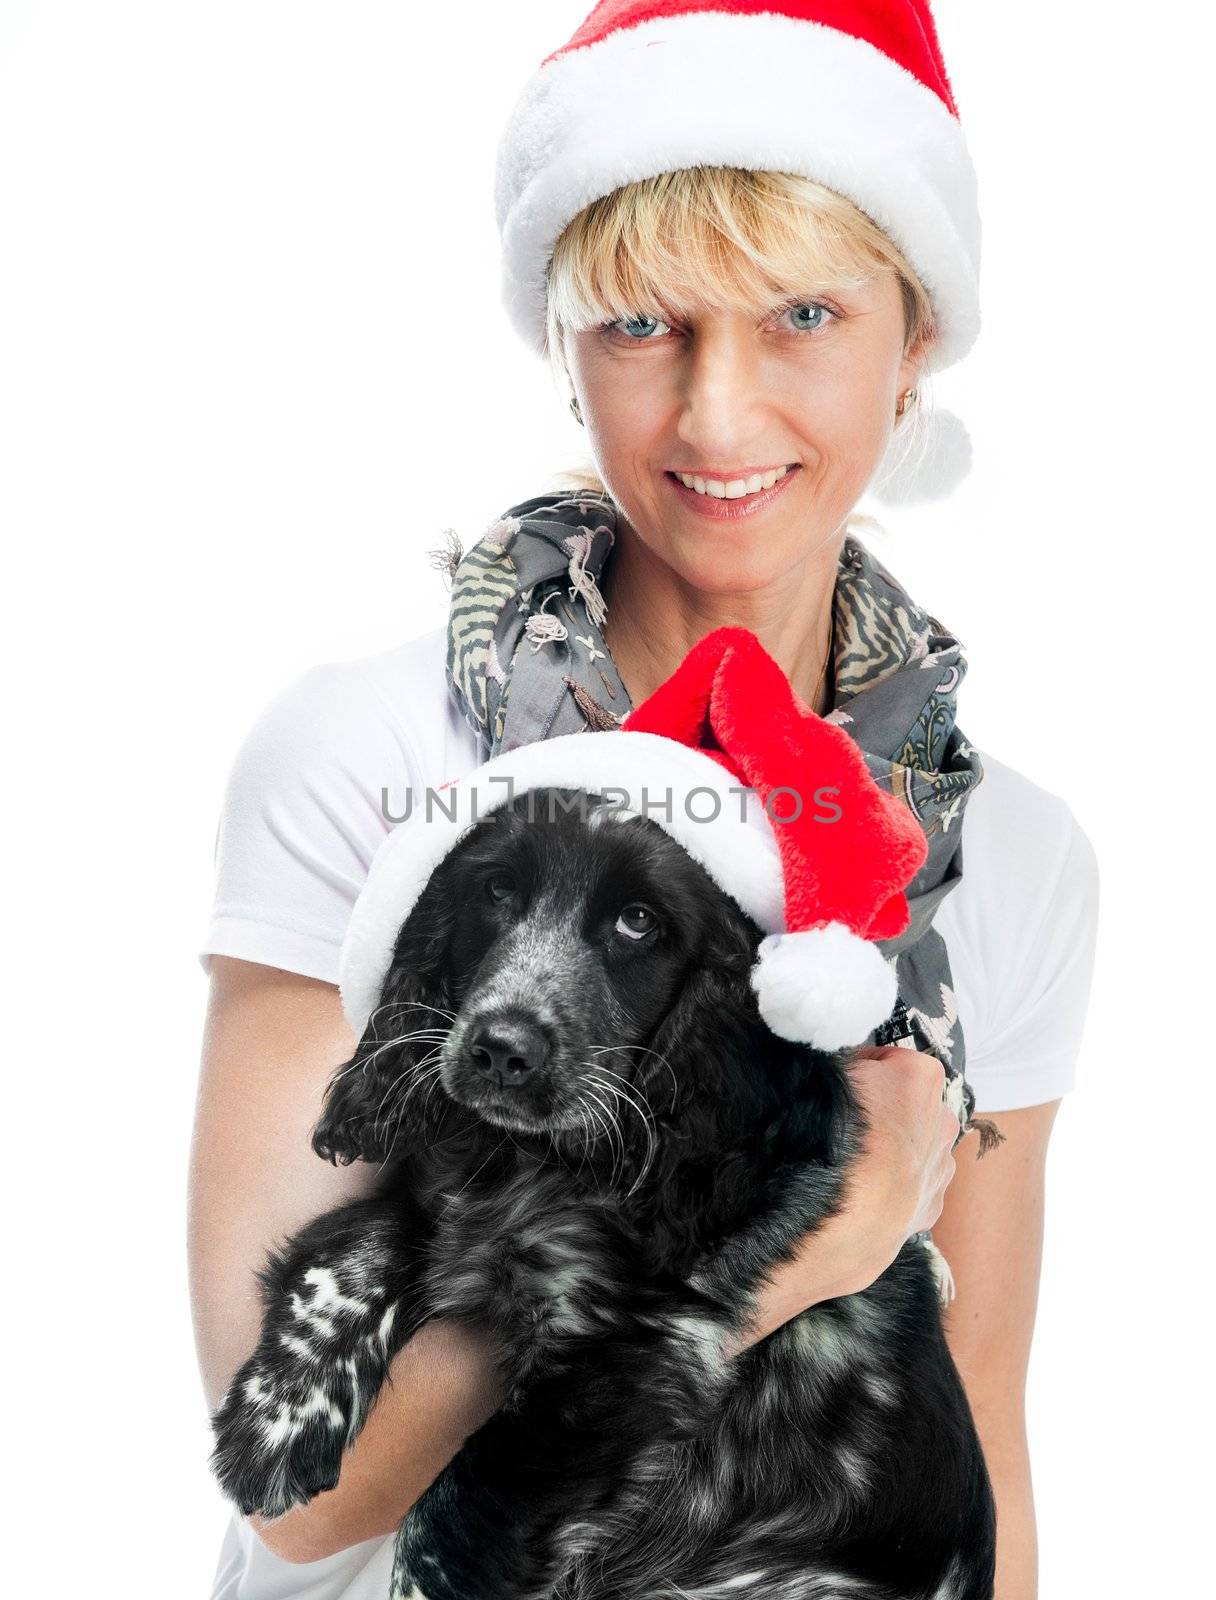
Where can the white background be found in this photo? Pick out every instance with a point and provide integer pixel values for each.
(253, 362)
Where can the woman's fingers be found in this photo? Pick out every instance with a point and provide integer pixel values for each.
(937, 1199)
(910, 1139)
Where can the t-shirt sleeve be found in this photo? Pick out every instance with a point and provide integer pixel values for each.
(303, 814)
(1028, 1054)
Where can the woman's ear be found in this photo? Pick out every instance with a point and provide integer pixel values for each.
(370, 1103)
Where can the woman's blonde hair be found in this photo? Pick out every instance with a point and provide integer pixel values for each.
(724, 236)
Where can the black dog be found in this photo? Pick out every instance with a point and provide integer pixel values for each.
(591, 1146)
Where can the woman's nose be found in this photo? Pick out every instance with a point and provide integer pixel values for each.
(722, 398)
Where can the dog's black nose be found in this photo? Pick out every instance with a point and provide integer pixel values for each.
(508, 1049)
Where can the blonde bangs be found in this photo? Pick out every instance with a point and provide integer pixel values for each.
(710, 236)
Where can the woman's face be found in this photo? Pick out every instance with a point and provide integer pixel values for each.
(810, 386)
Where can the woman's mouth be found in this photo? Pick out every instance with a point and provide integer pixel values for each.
(729, 499)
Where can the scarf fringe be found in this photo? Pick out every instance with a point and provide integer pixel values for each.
(599, 718)
(582, 580)
(990, 1134)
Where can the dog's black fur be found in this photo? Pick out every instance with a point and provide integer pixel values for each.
(590, 1145)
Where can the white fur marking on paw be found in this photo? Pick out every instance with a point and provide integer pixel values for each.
(290, 1421)
(327, 1294)
(327, 1300)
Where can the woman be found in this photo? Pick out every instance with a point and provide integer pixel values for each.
(747, 348)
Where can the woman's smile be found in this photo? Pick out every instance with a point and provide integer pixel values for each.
(729, 506)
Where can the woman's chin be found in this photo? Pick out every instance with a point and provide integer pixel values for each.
(730, 572)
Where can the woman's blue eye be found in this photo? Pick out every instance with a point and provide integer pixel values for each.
(637, 322)
(818, 314)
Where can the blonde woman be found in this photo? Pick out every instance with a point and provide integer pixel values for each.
(746, 309)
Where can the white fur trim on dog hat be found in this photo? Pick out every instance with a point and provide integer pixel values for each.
(719, 821)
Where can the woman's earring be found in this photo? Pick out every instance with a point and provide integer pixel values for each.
(578, 415)
(928, 456)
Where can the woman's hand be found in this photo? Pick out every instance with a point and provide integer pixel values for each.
(894, 1188)
(898, 1183)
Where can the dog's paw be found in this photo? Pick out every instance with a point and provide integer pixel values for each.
(300, 1400)
(280, 1434)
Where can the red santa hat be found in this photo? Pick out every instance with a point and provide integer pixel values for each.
(851, 93)
(776, 803)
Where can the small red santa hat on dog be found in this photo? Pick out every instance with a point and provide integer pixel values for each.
(776, 803)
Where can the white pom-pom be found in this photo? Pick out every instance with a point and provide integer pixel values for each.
(826, 987)
(927, 459)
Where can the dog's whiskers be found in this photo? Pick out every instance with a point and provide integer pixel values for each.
(617, 1143)
(411, 1071)
(588, 1116)
(421, 1080)
(647, 1122)
(427, 1035)
(398, 1005)
(430, 1079)
(586, 1132)
(675, 1087)
(628, 1089)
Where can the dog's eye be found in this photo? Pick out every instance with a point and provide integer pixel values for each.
(500, 886)
(636, 921)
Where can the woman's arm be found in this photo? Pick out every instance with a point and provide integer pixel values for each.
(272, 1041)
(991, 1233)
(894, 1188)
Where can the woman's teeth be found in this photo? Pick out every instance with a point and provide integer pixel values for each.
(736, 488)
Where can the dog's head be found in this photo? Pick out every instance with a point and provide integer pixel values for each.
(570, 975)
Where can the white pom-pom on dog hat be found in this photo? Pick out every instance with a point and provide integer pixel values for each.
(776, 803)
(851, 93)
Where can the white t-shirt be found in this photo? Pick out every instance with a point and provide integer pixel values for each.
(332, 759)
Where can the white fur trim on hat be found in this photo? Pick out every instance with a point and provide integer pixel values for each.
(717, 818)
(826, 987)
(667, 94)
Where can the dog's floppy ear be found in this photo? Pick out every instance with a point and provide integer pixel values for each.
(698, 1076)
(366, 1109)
(704, 1052)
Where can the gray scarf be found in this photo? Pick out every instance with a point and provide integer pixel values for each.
(526, 660)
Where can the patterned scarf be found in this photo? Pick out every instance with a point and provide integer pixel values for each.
(526, 660)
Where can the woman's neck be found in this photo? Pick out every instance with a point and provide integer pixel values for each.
(654, 618)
